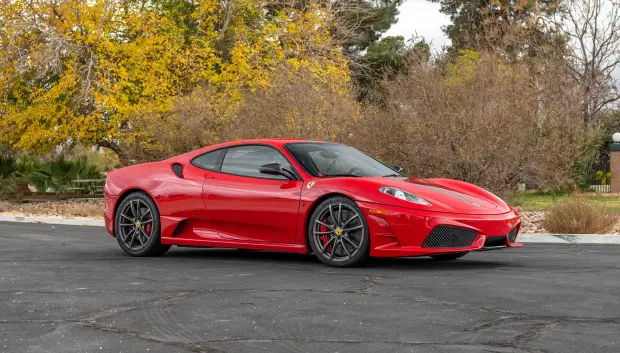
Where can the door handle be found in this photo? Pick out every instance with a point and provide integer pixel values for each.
(209, 176)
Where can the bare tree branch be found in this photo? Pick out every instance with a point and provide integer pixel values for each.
(592, 28)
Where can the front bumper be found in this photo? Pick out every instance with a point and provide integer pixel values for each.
(398, 232)
(108, 213)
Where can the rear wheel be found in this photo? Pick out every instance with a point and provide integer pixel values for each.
(449, 257)
(137, 226)
(338, 233)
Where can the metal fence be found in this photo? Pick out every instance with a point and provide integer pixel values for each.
(87, 188)
(600, 170)
(600, 188)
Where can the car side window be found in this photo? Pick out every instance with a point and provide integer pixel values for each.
(209, 160)
(247, 160)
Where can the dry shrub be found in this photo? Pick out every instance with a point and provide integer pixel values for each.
(192, 123)
(579, 217)
(481, 121)
(295, 106)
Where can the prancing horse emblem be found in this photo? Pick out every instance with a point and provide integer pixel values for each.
(310, 184)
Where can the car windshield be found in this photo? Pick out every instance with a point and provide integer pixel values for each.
(331, 160)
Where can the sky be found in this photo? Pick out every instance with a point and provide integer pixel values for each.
(421, 17)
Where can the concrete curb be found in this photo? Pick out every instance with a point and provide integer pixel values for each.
(569, 238)
(522, 238)
(54, 220)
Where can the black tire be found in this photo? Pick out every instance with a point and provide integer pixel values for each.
(449, 257)
(353, 245)
(145, 207)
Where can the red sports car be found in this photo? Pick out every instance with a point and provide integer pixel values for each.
(300, 196)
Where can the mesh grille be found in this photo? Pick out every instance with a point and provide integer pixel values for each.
(449, 237)
(512, 235)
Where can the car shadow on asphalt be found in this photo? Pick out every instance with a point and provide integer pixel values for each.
(265, 257)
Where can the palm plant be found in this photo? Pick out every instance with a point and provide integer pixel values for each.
(27, 164)
(7, 175)
(16, 173)
(84, 170)
(7, 166)
(57, 175)
(53, 176)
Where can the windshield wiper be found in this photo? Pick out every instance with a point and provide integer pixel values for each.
(392, 175)
(340, 175)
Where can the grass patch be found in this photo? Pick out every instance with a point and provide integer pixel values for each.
(544, 201)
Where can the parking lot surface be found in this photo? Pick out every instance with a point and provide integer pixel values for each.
(71, 289)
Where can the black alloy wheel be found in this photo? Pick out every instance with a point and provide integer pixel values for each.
(338, 233)
(137, 226)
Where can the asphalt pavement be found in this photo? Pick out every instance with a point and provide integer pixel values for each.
(71, 289)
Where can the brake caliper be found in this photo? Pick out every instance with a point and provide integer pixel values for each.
(325, 237)
(148, 227)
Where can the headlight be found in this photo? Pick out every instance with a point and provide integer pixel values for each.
(404, 195)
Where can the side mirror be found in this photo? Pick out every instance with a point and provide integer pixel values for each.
(276, 169)
(398, 169)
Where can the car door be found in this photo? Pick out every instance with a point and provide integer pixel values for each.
(246, 205)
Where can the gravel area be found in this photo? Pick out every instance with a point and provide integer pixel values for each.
(91, 208)
(531, 221)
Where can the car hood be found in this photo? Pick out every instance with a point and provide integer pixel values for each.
(447, 195)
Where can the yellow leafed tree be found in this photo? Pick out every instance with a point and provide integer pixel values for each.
(80, 71)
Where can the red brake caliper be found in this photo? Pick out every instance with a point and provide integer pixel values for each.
(148, 227)
(325, 237)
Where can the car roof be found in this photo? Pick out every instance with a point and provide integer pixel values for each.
(271, 141)
(279, 142)
(276, 142)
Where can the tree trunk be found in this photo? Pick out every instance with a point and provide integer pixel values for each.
(586, 106)
(586, 115)
(120, 153)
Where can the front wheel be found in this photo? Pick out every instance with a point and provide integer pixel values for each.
(338, 233)
(449, 257)
(137, 227)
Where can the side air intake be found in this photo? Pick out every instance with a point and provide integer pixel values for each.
(512, 235)
(177, 169)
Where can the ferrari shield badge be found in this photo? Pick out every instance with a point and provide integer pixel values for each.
(310, 185)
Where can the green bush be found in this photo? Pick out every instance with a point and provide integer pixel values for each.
(57, 175)
(16, 173)
(7, 175)
(27, 164)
